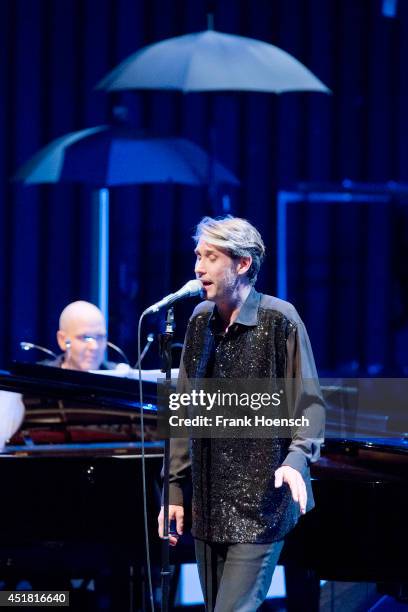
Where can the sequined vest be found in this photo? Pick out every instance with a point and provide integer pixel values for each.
(234, 498)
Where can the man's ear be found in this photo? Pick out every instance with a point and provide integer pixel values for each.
(62, 340)
(244, 264)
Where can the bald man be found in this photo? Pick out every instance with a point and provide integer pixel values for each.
(82, 337)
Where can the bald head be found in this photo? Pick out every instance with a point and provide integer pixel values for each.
(80, 311)
(82, 335)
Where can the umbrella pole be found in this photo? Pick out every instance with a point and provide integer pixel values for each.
(212, 190)
(281, 238)
(100, 268)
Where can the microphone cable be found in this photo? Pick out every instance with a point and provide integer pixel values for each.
(143, 458)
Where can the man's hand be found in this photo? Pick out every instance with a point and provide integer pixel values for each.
(296, 484)
(175, 513)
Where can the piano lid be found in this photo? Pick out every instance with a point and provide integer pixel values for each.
(78, 387)
(71, 407)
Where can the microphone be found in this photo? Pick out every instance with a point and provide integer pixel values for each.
(190, 289)
(28, 346)
(148, 344)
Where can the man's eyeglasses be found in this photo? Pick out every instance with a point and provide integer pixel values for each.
(98, 338)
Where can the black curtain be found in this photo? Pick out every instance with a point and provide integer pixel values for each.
(53, 52)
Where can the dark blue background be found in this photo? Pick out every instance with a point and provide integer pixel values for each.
(348, 272)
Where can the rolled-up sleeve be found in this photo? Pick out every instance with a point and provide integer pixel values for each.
(304, 399)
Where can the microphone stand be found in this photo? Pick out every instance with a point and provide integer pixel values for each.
(165, 345)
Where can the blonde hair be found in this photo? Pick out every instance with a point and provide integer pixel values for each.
(236, 236)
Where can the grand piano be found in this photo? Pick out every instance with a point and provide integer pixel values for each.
(72, 477)
(358, 530)
(72, 483)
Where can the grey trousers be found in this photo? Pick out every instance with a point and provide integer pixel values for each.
(235, 577)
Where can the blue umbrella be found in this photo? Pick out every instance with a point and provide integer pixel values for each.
(106, 156)
(210, 61)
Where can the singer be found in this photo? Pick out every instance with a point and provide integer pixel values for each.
(247, 493)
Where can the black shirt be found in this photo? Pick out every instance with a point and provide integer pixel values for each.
(234, 497)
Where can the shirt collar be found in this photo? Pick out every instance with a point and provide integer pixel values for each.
(248, 313)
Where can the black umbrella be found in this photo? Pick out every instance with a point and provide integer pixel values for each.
(105, 156)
